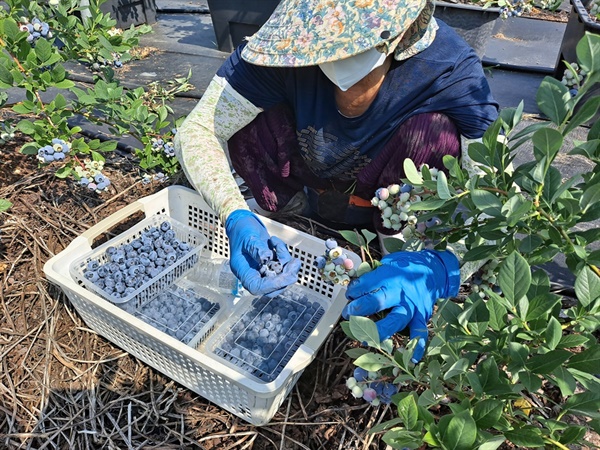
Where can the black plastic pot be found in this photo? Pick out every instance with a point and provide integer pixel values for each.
(130, 12)
(473, 23)
(233, 20)
(579, 23)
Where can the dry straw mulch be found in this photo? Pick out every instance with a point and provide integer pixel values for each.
(62, 386)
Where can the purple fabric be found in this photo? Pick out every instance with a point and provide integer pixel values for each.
(265, 154)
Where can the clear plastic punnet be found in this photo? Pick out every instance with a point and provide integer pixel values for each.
(265, 332)
(148, 283)
(185, 311)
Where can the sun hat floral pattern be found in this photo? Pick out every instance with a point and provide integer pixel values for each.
(309, 32)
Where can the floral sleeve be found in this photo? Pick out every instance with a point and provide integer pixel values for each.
(201, 145)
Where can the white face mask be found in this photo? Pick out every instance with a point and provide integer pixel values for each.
(345, 73)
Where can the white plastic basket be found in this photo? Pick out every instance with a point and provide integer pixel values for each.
(253, 401)
(155, 285)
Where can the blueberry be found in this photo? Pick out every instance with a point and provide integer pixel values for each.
(360, 374)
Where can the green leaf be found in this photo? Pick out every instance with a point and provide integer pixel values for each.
(514, 277)
(572, 340)
(355, 353)
(552, 97)
(492, 443)
(526, 436)
(345, 325)
(364, 330)
(586, 403)
(63, 172)
(460, 432)
(385, 425)
(541, 305)
(547, 142)
(572, 434)
(564, 380)
(458, 368)
(363, 267)
(442, 186)
(373, 362)
(585, 113)
(5, 205)
(408, 411)
(587, 286)
(588, 52)
(6, 77)
(43, 50)
(412, 173)
(400, 438)
(591, 196)
(487, 413)
(353, 237)
(479, 253)
(487, 202)
(369, 236)
(530, 243)
(26, 126)
(11, 29)
(497, 315)
(553, 333)
(547, 362)
(531, 381)
(587, 361)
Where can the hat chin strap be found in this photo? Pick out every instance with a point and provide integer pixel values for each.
(345, 73)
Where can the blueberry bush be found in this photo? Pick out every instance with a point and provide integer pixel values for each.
(42, 42)
(512, 360)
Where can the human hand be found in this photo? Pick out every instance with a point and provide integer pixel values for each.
(408, 284)
(250, 247)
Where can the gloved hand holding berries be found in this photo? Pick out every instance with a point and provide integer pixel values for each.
(252, 249)
(407, 284)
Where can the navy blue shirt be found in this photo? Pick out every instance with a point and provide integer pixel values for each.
(447, 77)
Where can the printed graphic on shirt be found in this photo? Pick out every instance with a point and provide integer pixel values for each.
(329, 158)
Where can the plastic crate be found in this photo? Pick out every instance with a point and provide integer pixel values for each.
(155, 285)
(254, 401)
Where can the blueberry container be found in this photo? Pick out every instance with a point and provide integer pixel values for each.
(185, 311)
(265, 332)
(153, 283)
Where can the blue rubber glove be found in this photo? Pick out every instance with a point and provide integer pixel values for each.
(408, 284)
(251, 246)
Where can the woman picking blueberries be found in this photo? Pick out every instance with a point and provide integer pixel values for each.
(317, 110)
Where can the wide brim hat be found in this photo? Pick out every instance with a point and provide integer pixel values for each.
(309, 32)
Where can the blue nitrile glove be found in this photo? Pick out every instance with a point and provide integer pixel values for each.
(408, 284)
(251, 246)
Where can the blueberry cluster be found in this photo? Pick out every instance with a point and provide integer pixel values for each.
(368, 386)
(485, 279)
(102, 63)
(7, 134)
(128, 266)
(334, 265)
(159, 177)
(179, 312)
(573, 80)
(515, 8)
(55, 152)
(264, 339)
(36, 29)
(91, 176)
(271, 268)
(163, 145)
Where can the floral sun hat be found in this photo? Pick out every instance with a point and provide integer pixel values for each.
(309, 32)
